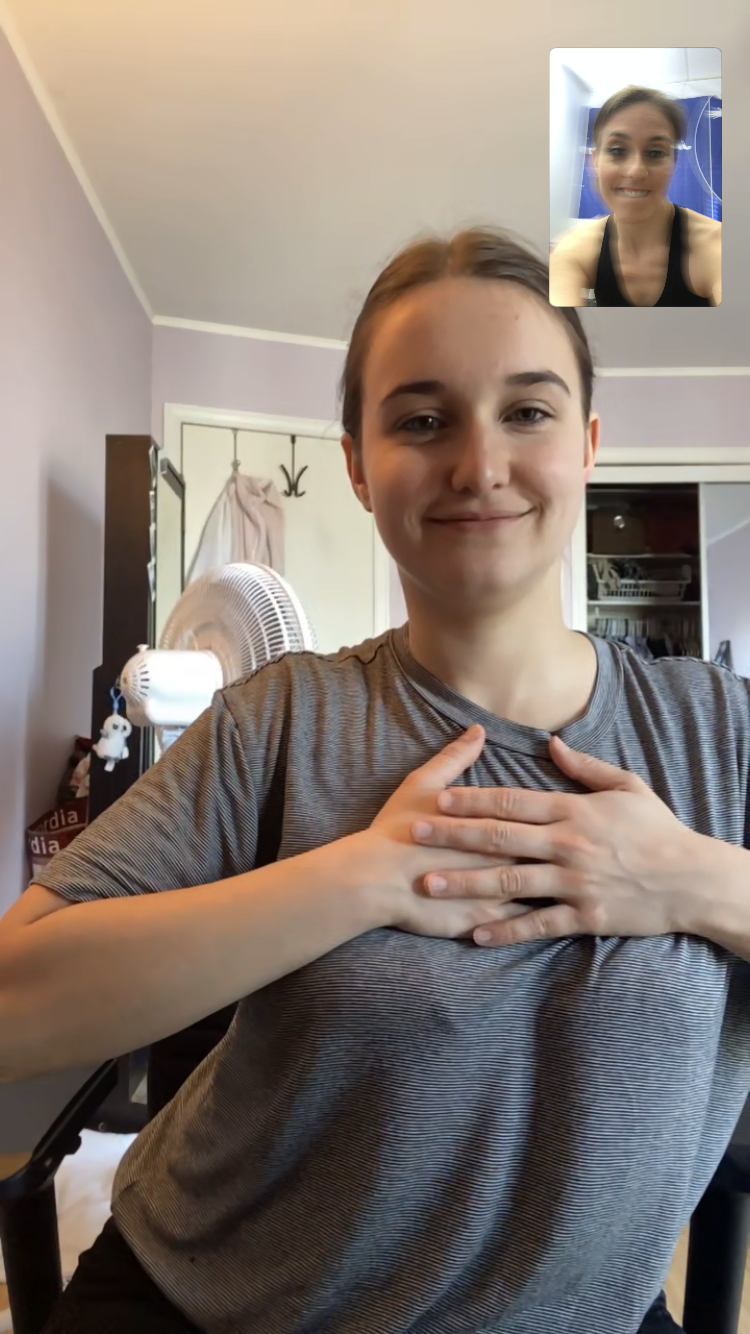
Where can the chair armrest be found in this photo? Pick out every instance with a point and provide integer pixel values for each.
(717, 1250)
(24, 1171)
(733, 1172)
(742, 1129)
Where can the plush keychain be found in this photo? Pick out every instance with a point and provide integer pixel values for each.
(112, 745)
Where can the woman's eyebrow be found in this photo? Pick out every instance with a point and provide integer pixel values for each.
(538, 377)
(414, 387)
(652, 139)
(427, 387)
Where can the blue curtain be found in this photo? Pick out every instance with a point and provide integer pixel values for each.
(696, 182)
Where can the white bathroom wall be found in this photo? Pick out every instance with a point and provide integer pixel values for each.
(570, 97)
(679, 71)
(329, 546)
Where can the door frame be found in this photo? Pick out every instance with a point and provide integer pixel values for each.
(178, 415)
(633, 465)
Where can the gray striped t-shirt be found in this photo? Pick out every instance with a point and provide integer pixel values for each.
(413, 1135)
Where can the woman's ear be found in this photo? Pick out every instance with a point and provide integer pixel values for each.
(592, 445)
(353, 455)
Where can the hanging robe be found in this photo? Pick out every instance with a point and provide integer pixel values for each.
(245, 524)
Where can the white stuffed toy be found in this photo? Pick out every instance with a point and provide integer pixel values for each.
(113, 742)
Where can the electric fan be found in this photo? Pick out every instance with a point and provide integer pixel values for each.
(225, 625)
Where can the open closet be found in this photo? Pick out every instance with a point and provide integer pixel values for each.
(660, 559)
(643, 580)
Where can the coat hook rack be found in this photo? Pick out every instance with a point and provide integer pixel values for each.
(235, 456)
(293, 480)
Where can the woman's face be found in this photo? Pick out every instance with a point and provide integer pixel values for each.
(635, 161)
(474, 450)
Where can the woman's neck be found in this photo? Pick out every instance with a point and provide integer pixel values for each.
(635, 238)
(522, 664)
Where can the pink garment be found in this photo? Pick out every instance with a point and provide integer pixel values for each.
(245, 524)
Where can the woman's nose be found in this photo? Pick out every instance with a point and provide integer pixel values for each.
(481, 463)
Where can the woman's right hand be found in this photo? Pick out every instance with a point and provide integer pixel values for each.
(396, 865)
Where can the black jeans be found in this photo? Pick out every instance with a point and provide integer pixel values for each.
(111, 1294)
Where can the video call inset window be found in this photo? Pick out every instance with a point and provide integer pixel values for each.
(635, 176)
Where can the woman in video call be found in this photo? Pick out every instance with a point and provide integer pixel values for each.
(406, 1130)
(645, 251)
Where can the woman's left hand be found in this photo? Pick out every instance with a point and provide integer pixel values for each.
(615, 859)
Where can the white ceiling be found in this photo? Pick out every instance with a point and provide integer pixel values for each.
(259, 159)
(679, 71)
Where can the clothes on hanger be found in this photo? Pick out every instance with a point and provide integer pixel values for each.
(723, 656)
(245, 524)
(652, 636)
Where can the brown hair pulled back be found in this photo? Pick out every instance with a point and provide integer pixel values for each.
(476, 252)
(630, 96)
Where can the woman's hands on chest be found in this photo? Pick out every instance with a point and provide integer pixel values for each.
(615, 859)
(392, 867)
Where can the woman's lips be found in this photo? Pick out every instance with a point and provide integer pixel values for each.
(632, 194)
(490, 521)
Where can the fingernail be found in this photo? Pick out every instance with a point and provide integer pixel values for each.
(482, 936)
(445, 801)
(436, 884)
(422, 829)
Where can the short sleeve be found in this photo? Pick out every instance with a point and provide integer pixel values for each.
(191, 819)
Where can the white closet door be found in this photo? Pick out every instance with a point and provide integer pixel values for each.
(330, 555)
(573, 575)
(725, 535)
(329, 546)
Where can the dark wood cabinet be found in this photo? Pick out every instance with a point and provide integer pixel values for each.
(136, 475)
(128, 609)
(138, 479)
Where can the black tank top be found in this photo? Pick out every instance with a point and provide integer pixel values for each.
(676, 291)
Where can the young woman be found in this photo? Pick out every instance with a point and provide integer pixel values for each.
(405, 1131)
(646, 251)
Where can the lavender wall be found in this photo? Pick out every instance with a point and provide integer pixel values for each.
(726, 512)
(703, 412)
(209, 370)
(728, 560)
(75, 364)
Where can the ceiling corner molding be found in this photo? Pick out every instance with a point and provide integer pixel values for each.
(18, 47)
(237, 331)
